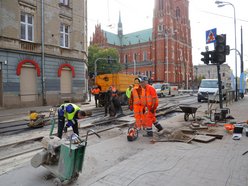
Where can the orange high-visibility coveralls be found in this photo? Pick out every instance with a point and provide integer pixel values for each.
(138, 102)
(96, 93)
(151, 105)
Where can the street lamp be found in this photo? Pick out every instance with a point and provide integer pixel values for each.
(221, 4)
(95, 65)
(167, 62)
(109, 59)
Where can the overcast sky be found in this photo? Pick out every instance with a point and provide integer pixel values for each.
(204, 15)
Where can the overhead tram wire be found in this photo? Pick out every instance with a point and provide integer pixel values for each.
(230, 17)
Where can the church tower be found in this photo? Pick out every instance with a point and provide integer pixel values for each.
(162, 52)
(120, 29)
(172, 42)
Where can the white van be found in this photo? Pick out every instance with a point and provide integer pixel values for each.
(168, 89)
(209, 89)
(165, 89)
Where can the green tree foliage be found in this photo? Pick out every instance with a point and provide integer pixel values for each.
(103, 65)
(198, 79)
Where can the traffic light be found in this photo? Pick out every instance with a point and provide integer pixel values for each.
(205, 58)
(227, 50)
(221, 50)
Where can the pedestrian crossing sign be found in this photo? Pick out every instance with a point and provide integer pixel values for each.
(211, 35)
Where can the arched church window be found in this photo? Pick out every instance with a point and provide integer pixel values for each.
(178, 13)
(161, 5)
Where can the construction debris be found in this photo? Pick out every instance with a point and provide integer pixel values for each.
(199, 127)
(171, 136)
(203, 138)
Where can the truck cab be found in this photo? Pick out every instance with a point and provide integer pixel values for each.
(209, 90)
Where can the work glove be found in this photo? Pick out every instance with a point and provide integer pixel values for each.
(152, 110)
(70, 123)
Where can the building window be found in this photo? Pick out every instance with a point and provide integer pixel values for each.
(135, 56)
(64, 35)
(161, 4)
(126, 58)
(160, 28)
(172, 53)
(144, 56)
(178, 13)
(64, 2)
(27, 27)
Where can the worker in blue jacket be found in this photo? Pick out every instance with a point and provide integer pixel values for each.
(72, 113)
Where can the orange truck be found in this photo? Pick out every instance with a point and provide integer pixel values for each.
(120, 81)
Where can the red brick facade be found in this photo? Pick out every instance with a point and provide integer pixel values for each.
(169, 41)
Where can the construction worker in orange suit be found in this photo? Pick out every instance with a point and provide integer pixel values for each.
(151, 106)
(96, 91)
(137, 103)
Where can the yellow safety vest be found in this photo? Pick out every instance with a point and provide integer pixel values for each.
(69, 116)
(128, 92)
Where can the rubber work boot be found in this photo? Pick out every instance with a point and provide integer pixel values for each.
(158, 126)
(65, 129)
(149, 132)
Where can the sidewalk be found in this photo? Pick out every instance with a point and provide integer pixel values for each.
(218, 163)
(116, 162)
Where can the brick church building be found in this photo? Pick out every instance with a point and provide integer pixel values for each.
(162, 52)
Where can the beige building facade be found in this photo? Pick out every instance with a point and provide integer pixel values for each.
(43, 52)
(210, 72)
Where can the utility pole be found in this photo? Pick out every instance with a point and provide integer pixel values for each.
(242, 66)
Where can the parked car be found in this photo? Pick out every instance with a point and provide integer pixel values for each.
(168, 89)
(157, 87)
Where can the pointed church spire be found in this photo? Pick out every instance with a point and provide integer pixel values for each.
(120, 29)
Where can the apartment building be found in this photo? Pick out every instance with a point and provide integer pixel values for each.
(43, 52)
